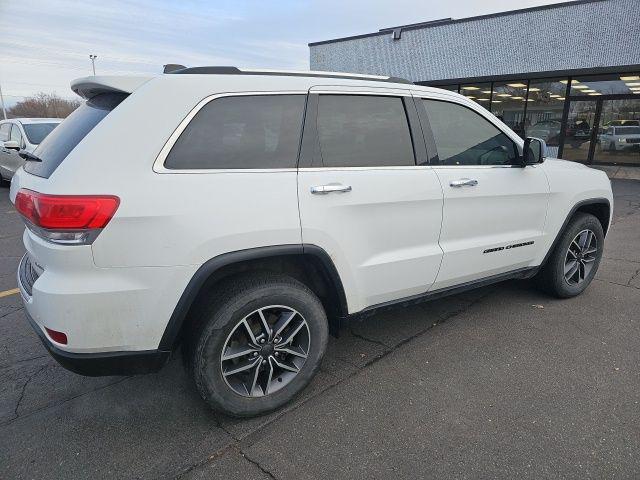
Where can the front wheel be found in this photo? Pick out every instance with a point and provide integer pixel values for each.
(258, 345)
(575, 259)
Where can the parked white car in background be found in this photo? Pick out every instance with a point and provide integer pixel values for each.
(615, 139)
(21, 135)
(250, 211)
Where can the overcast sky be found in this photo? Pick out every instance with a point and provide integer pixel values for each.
(46, 44)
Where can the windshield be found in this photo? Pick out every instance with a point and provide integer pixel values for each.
(36, 132)
(627, 130)
(55, 148)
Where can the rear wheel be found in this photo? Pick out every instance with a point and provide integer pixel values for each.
(575, 259)
(258, 345)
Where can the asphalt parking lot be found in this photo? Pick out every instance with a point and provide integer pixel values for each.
(502, 382)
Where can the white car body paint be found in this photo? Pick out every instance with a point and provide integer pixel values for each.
(400, 231)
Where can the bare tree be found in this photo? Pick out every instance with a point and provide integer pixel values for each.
(46, 105)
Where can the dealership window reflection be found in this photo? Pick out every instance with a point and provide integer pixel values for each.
(544, 111)
(508, 103)
(478, 92)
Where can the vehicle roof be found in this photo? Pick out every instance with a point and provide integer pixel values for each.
(235, 79)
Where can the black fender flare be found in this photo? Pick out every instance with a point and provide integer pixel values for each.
(574, 209)
(204, 272)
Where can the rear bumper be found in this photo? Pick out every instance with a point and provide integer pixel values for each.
(104, 363)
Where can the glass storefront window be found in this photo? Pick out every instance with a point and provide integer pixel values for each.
(478, 92)
(508, 103)
(545, 106)
(610, 84)
(451, 88)
(579, 130)
(619, 132)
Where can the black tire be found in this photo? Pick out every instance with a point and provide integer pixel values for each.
(3, 182)
(216, 323)
(551, 277)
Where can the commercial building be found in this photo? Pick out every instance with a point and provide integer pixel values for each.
(568, 73)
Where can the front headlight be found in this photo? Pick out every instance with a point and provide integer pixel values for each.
(621, 140)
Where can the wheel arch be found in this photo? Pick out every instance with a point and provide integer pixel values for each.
(598, 207)
(307, 263)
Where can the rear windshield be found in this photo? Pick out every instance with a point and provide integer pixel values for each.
(55, 148)
(36, 132)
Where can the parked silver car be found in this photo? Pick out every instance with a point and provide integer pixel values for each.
(21, 135)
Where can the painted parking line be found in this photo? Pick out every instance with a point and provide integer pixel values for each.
(6, 293)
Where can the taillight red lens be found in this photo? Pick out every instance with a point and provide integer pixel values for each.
(58, 337)
(66, 212)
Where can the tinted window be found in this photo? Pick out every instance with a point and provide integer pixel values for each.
(261, 131)
(363, 131)
(16, 134)
(54, 149)
(5, 128)
(464, 137)
(36, 132)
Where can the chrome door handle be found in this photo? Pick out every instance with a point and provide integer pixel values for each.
(330, 188)
(463, 182)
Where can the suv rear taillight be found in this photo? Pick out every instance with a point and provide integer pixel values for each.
(66, 219)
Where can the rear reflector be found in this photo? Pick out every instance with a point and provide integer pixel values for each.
(66, 212)
(57, 337)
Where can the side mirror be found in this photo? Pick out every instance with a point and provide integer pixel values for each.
(534, 151)
(12, 145)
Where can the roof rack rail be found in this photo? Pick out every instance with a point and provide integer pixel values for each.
(222, 70)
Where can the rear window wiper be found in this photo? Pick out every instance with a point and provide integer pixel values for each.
(30, 157)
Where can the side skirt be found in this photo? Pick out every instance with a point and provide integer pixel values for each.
(519, 274)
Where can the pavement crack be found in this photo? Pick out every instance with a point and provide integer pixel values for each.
(616, 283)
(24, 389)
(257, 464)
(621, 259)
(10, 312)
(56, 404)
(220, 424)
(633, 277)
(233, 447)
(370, 340)
(22, 360)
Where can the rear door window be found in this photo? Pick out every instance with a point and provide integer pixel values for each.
(56, 146)
(363, 131)
(240, 132)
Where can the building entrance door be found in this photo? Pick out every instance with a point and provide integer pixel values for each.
(603, 130)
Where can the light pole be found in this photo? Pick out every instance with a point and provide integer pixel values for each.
(93, 63)
(4, 112)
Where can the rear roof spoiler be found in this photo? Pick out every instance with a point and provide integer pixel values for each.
(89, 87)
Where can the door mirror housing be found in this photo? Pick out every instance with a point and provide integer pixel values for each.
(12, 145)
(534, 151)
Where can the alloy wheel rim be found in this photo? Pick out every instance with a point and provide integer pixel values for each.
(265, 351)
(580, 257)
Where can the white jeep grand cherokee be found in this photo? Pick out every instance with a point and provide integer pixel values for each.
(242, 214)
